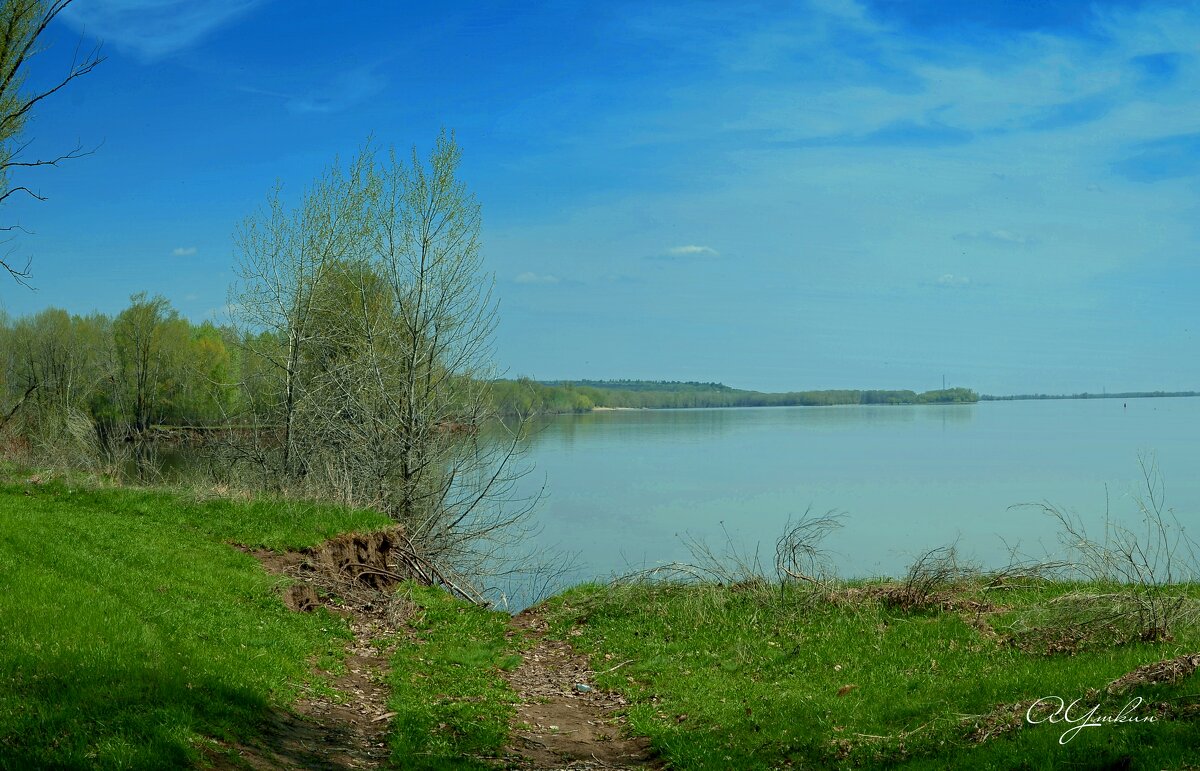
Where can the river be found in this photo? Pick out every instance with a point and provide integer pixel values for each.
(626, 490)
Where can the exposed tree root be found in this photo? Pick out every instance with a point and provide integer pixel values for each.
(350, 575)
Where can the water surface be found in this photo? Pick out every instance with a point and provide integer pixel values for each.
(625, 488)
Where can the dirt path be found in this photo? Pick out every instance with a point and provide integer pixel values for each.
(563, 720)
(348, 731)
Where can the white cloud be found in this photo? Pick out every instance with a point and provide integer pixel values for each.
(152, 29)
(529, 277)
(951, 280)
(692, 251)
(997, 237)
(1008, 237)
(183, 251)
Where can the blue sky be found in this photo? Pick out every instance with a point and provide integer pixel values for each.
(783, 195)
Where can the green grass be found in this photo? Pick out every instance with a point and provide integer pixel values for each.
(129, 630)
(452, 706)
(131, 633)
(722, 678)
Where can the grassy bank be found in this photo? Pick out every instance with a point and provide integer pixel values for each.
(131, 631)
(755, 677)
(452, 709)
(133, 636)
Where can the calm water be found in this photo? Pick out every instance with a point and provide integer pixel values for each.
(625, 487)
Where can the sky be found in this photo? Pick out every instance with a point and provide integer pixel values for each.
(777, 196)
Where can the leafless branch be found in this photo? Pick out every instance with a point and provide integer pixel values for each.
(798, 553)
(20, 275)
(1146, 571)
(9, 75)
(28, 392)
(76, 152)
(23, 189)
(370, 314)
(24, 22)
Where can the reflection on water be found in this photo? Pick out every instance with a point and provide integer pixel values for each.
(625, 487)
(693, 424)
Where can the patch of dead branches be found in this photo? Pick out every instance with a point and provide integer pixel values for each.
(1167, 671)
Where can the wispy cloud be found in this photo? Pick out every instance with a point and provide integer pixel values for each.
(902, 133)
(687, 252)
(997, 237)
(951, 281)
(346, 90)
(1076, 112)
(1160, 69)
(883, 88)
(1167, 158)
(855, 136)
(152, 29)
(339, 92)
(183, 251)
(529, 277)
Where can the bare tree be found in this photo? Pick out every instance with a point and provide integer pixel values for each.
(285, 259)
(55, 369)
(451, 465)
(22, 23)
(379, 323)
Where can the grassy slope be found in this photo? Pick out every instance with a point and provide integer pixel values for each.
(722, 679)
(128, 629)
(452, 707)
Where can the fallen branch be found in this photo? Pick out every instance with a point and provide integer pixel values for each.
(17, 406)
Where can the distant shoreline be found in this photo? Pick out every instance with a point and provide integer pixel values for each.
(982, 398)
(1126, 395)
(526, 396)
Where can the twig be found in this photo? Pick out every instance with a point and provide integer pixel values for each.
(615, 668)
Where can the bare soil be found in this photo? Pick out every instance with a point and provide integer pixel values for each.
(563, 720)
(345, 732)
(349, 575)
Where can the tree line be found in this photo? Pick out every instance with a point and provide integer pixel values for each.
(147, 365)
(356, 366)
(526, 396)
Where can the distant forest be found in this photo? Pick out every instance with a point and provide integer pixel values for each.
(145, 366)
(149, 366)
(526, 396)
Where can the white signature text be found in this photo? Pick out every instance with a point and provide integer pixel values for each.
(1055, 710)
